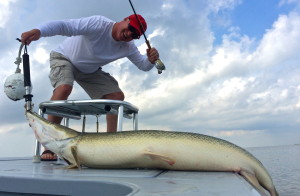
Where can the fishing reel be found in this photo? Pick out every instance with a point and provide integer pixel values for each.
(18, 86)
(159, 66)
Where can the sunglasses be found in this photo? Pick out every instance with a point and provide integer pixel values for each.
(135, 35)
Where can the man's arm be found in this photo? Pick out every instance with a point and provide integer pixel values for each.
(143, 62)
(71, 27)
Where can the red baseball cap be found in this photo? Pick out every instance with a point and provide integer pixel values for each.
(136, 24)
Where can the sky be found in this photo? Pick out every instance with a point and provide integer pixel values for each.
(232, 68)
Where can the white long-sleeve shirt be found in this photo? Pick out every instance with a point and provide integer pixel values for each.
(90, 44)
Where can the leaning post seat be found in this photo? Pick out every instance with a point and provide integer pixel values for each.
(75, 109)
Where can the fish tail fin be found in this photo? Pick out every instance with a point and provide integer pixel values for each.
(274, 192)
(253, 181)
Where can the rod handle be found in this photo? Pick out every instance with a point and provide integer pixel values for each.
(148, 44)
(26, 69)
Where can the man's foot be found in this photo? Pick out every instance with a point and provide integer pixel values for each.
(48, 155)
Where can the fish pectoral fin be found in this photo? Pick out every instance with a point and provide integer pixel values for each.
(253, 181)
(74, 153)
(164, 158)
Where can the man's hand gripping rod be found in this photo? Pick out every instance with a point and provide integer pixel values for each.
(158, 63)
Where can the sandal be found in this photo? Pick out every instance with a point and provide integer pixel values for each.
(49, 152)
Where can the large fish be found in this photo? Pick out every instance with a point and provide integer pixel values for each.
(150, 149)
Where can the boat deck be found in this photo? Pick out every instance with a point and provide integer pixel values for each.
(19, 176)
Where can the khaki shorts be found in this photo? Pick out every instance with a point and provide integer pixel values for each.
(96, 84)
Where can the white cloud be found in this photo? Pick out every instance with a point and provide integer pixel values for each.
(298, 104)
(5, 11)
(216, 6)
(143, 47)
(282, 2)
(235, 133)
(281, 43)
(40, 55)
(7, 128)
(232, 87)
(167, 6)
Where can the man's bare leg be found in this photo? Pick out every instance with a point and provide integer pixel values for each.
(62, 92)
(112, 120)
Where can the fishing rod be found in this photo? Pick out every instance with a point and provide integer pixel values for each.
(158, 63)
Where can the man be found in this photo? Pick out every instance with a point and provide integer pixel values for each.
(92, 43)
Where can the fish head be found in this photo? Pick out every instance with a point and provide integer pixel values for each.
(34, 126)
(46, 132)
(39, 129)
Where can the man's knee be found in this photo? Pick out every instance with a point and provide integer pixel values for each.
(63, 90)
(115, 96)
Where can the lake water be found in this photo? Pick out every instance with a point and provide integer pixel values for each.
(283, 164)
